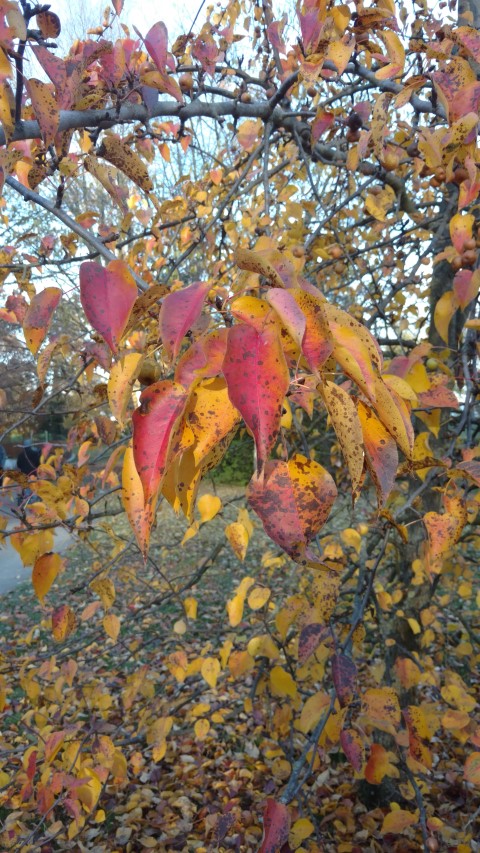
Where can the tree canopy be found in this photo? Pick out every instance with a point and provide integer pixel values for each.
(258, 241)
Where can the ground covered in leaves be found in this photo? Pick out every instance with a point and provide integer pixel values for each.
(148, 726)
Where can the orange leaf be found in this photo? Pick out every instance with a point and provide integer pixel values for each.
(293, 501)
(38, 317)
(45, 570)
(63, 622)
(381, 453)
(379, 765)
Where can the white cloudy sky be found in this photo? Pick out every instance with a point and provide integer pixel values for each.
(78, 15)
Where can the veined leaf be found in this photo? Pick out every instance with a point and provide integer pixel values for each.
(258, 379)
(346, 423)
(161, 407)
(293, 500)
(108, 295)
(381, 453)
(178, 313)
(139, 514)
(38, 317)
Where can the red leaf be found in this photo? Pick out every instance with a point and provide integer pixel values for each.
(353, 748)
(154, 422)
(39, 315)
(276, 826)
(156, 42)
(344, 673)
(293, 500)
(310, 638)
(257, 378)
(178, 313)
(107, 295)
(203, 359)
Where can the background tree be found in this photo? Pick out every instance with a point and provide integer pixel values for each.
(280, 237)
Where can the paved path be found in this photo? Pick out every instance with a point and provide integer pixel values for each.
(12, 570)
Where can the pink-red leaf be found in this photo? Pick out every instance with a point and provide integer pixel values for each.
(107, 295)
(38, 317)
(257, 378)
(276, 826)
(203, 359)
(178, 313)
(310, 638)
(293, 500)
(352, 745)
(156, 42)
(154, 422)
(344, 674)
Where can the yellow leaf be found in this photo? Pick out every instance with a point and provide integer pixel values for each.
(236, 604)
(89, 793)
(263, 646)
(238, 538)
(312, 711)
(397, 821)
(190, 532)
(111, 624)
(120, 384)
(258, 597)
(30, 546)
(444, 310)
(190, 605)
(282, 683)
(301, 829)
(45, 570)
(210, 671)
(201, 728)
(105, 589)
(208, 507)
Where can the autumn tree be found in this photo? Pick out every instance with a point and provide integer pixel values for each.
(280, 240)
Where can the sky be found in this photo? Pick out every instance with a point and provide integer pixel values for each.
(77, 15)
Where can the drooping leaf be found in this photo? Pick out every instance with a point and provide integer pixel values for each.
(353, 747)
(203, 359)
(238, 538)
(208, 507)
(63, 622)
(379, 765)
(310, 638)
(211, 416)
(38, 317)
(258, 379)
(161, 407)
(117, 152)
(156, 42)
(381, 453)
(276, 826)
(344, 676)
(120, 384)
(45, 570)
(139, 514)
(45, 107)
(293, 501)
(346, 423)
(107, 294)
(445, 309)
(178, 313)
